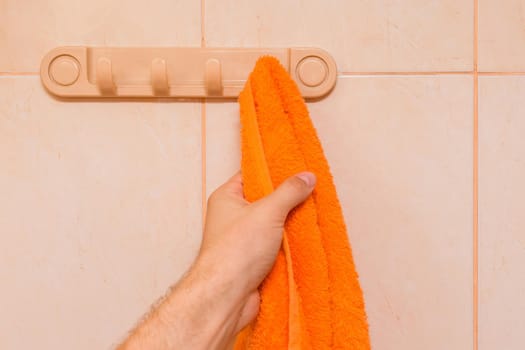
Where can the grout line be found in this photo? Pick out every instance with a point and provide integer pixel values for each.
(437, 73)
(203, 23)
(203, 158)
(18, 74)
(475, 210)
(475, 175)
(342, 74)
(500, 73)
(405, 73)
(203, 123)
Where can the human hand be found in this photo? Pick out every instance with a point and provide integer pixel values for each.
(243, 238)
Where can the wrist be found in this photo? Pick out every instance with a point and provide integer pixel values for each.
(223, 276)
(215, 305)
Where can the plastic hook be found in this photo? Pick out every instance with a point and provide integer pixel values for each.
(104, 74)
(213, 77)
(159, 77)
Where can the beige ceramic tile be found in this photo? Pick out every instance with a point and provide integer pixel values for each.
(501, 35)
(501, 213)
(30, 28)
(403, 169)
(401, 153)
(374, 35)
(222, 143)
(100, 212)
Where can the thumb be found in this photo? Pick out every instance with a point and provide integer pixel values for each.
(289, 194)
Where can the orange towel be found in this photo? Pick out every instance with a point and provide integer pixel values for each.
(312, 298)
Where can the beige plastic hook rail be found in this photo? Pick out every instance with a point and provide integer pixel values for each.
(113, 72)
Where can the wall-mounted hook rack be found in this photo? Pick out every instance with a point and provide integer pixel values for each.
(113, 72)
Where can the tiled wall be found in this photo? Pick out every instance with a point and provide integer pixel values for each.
(101, 203)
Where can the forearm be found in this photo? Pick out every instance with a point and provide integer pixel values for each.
(200, 313)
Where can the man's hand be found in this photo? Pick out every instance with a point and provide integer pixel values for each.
(218, 296)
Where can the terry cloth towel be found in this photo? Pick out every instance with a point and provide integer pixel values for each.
(311, 300)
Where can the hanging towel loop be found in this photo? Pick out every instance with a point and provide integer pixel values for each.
(311, 299)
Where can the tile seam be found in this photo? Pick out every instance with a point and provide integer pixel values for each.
(351, 74)
(475, 174)
(203, 124)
